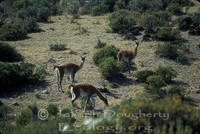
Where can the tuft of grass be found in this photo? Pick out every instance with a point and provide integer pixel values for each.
(38, 95)
(57, 47)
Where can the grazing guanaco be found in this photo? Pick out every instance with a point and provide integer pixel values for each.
(68, 69)
(127, 55)
(85, 89)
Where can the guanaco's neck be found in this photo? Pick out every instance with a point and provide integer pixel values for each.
(135, 50)
(81, 65)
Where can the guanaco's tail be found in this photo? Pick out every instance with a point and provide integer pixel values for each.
(54, 67)
(69, 87)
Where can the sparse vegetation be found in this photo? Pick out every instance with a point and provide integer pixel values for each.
(100, 44)
(170, 51)
(57, 47)
(170, 90)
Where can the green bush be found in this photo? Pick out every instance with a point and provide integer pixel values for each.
(155, 19)
(18, 5)
(170, 51)
(52, 109)
(73, 8)
(105, 52)
(146, 6)
(155, 81)
(142, 75)
(121, 21)
(166, 73)
(3, 14)
(9, 53)
(144, 112)
(176, 90)
(32, 25)
(120, 4)
(110, 68)
(57, 47)
(190, 22)
(27, 115)
(66, 110)
(129, 36)
(167, 50)
(168, 34)
(99, 10)
(13, 31)
(13, 75)
(175, 9)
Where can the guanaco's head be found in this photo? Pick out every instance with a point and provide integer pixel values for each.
(137, 43)
(83, 59)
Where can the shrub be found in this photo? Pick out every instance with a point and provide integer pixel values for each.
(155, 19)
(42, 14)
(13, 31)
(57, 47)
(100, 44)
(52, 109)
(142, 75)
(176, 90)
(54, 126)
(129, 36)
(105, 52)
(19, 4)
(168, 34)
(32, 25)
(121, 21)
(3, 13)
(190, 22)
(13, 75)
(175, 9)
(110, 68)
(9, 53)
(99, 10)
(27, 115)
(73, 8)
(166, 73)
(169, 51)
(143, 112)
(145, 5)
(66, 110)
(155, 81)
(120, 4)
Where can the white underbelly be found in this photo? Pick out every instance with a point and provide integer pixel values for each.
(67, 72)
(82, 93)
(125, 58)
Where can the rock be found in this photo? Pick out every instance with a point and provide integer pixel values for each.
(15, 104)
(45, 92)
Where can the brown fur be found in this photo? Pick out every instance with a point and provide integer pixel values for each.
(68, 69)
(88, 89)
(130, 55)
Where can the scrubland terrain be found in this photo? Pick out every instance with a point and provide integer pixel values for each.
(61, 30)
